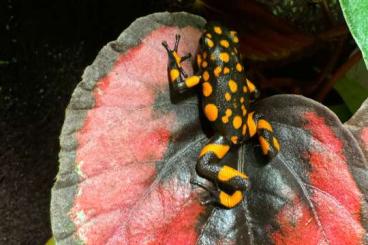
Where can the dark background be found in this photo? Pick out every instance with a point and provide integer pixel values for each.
(44, 47)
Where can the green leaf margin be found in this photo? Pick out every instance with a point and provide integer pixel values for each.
(356, 16)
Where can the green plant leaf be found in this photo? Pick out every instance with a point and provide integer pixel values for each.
(353, 86)
(51, 241)
(356, 15)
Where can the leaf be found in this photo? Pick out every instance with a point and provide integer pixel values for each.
(358, 125)
(356, 15)
(117, 130)
(128, 154)
(353, 86)
(326, 171)
(51, 241)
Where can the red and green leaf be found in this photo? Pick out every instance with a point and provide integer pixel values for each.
(128, 154)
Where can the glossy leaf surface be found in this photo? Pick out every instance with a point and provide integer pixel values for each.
(356, 14)
(128, 154)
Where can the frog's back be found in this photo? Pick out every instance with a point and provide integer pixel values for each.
(225, 94)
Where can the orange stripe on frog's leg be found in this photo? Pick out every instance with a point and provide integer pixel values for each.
(226, 173)
(263, 124)
(209, 166)
(269, 143)
(230, 201)
(265, 146)
(220, 150)
(276, 143)
(232, 178)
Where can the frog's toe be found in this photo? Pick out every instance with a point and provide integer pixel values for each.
(166, 46)
(211, 199)
(211, 196)
(185, 57)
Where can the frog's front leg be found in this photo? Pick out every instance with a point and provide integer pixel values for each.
(257, 123)
(209, 167)
(179, 79)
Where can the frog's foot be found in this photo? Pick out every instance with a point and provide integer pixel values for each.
(185, 57)
(214, 192)
(177, 40)
(173, 53)
(178, 77)
(219, 197)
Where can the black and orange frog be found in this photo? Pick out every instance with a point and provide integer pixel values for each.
(227, 105)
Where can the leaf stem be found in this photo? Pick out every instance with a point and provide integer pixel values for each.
(334, 33)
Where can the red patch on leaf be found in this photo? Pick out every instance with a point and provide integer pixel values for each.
(333, 192)
(122, 139)
(329, 166)
(296, 224)
(165, 216)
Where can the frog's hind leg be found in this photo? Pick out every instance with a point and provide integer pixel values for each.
(178, 77)
(257, 123)
(221, 197)
(209, 167)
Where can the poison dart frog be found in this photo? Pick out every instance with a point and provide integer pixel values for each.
(227, 97)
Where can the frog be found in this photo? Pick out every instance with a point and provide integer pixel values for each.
(227, 97)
